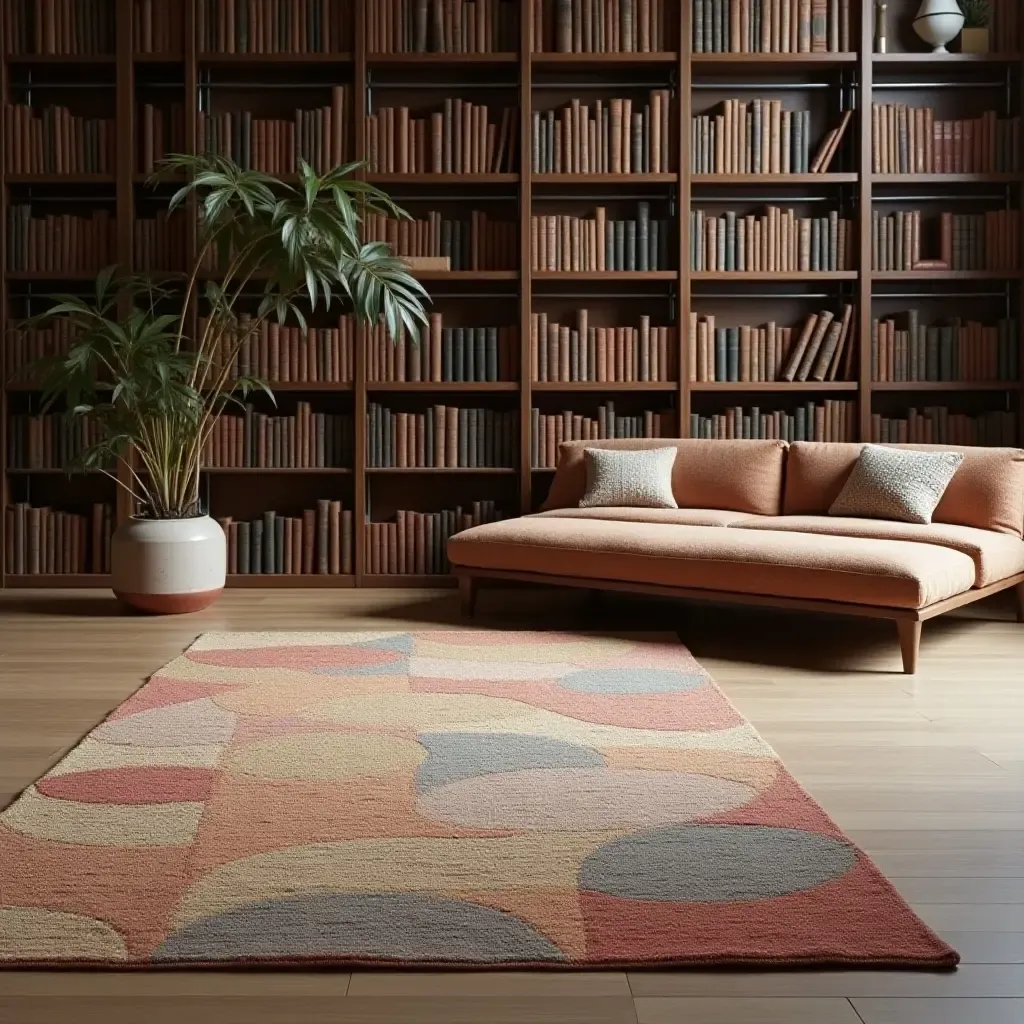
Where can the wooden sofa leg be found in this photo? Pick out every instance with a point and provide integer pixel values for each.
(467, 595)
(1019, 590)
(910, 643)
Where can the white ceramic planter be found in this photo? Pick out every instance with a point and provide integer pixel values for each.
(168, 566)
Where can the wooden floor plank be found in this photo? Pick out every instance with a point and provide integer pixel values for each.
(940, 1011)
(726, 1010)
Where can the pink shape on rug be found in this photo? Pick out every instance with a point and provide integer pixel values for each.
(161, 691)
(144, 784)
(700, 710)
(783, 804)
(580, 799)
(297, 658)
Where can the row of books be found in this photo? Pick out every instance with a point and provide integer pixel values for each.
(416, 543)
(910, 140)
(549, 430)
(759, 137)
(610, 138)
(460, 139)
(317, 542)
(286, 354)
(43, 540)
(771, 26)
(967, 241)
(822, 349)
(55, 141)
(443, 437)
(599, 26)
(777, 241)
(159, 242)
(158, 26)
(272, 26)
(304, 440)
(70, 28)
(566, 242)
(951, 351)
(48, 440)
(937, 425)
(276, 146)
(476, 243)
(59, 242)
(161, 132)
(831, 420)
(442, 26)
(448, 354)
(560, 352)
(24, 347)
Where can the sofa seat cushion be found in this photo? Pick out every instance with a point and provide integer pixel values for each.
(857, 570)
(677, 516)
(995, 555)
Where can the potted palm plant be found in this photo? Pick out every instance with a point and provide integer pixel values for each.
(975, 35)
(155, 391)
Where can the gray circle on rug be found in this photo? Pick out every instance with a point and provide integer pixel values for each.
(715, 863)
(401, 926)
(632, 680)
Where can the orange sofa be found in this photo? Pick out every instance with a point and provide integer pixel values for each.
(753, 528)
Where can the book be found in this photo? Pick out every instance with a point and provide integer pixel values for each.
(830, 420)
(40, 540)
(549, 430)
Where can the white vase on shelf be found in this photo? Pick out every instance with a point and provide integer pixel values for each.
(939, 22)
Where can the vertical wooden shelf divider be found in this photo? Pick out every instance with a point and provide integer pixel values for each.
(526, 29)
(612, 72)
(684, 296)
(865, 281)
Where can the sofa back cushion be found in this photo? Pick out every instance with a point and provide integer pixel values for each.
(739, 476)
(987, 490)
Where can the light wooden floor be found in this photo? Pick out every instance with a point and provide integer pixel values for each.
(927, 773)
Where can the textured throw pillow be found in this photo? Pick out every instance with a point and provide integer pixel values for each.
(896, 483)
(641, 479)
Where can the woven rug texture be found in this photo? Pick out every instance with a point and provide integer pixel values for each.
(446, 798)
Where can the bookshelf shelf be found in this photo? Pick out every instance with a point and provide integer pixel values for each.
(605, 275)
(605, 179)
(280, 59)
(767, 275)
(451, 470)
(61, 179)
(61, 59)
(50, 471)
(272, 86)
(442, 179)
(946, 385)
(597, 61)
(439, 59)
(774, 385)
(466, 275)
(459, 387)
(288, 581)
(946, 275)
(56, 581)
(601, 386)
(945, 58)
(946, 179)
(749, 62)
(277, 470)
(831, 178)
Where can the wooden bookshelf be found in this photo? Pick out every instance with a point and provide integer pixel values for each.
(823, 82)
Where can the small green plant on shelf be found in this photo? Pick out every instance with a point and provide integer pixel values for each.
(148, 384)
(975, 35)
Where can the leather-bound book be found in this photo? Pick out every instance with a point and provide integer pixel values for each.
(334, 540)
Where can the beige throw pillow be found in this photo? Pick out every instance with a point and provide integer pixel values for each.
(639, 479)
(896, 483)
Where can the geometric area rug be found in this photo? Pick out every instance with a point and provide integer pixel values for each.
(447, 798)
